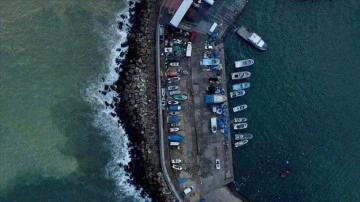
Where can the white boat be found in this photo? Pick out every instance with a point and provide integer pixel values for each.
(239, 126)
(250, 36)
(174, 113)
(175, 160)
(173, 79)
(241, 143)
(173, 102)
(237, 93)
(174, 92)
(175, 124)
(239, 75)
(240, 108)
(174, 64)
(172, 88)
(241, 86)
(176, 167)
(243, 136)
(183, 71)
(244, 63)
(241, 119)
(174, 129)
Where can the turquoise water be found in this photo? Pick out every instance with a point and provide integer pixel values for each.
(56, 142)
(303, 103)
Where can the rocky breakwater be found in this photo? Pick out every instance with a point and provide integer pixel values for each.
(138, 106)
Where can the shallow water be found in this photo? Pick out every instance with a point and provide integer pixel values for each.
(303, 101)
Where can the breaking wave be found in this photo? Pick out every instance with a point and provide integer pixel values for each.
(102, 97)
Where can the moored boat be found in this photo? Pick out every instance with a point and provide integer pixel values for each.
(172, 73)
(250, 36)
(173, 102)
(240, 108)
(241, 143)
(174, 92)
(173, 79)
(240, 119)
(180, 97)
(169, 88)
(239, 75)
(174, 129)
(244, 63)
(237, 93)
(239, 126)
(176, 167)
(175, 160)
(243, 136)
(183, 71)
(241, 86)
(285, 173)
(176, 137)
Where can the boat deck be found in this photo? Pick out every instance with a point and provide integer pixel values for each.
(243, 32)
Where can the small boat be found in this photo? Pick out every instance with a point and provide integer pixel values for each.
(169, 88)
(173, 79)
(173, 119)
(285, 173)
(174, 107)
(174, 129)
(175, 124)
(174, 64)
(250, 36)
(180, 97)
(213, 124)
(176, 167)
(182, 180)
(176, 137)
(174, 113)
(244, 63)
(241, 143)
(237, 93)
(175, 160)
(239, 75)
(174, 143)
(171, 73)
(243, 136)
(183, 71)
(240, 108)
(241, 119)
(173, 102)
(174, 92)
(163, 92)
(241, 86)
(239, 126)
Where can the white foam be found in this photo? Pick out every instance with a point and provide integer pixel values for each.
(115, 133)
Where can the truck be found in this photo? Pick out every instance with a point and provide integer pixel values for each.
(212, 28)
(188, 49)
(215, 99)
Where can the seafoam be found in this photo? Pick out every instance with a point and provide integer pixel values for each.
(110, 125)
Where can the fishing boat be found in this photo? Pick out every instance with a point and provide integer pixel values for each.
(173, 79)
(175, 160)
(237, 93)
(176, 167)
(239, 75)
(171, 73)
(176, 137)
(213, 124)
(169, 88)
(173, 102)
(285, 173)
(175, 124)
(244, 63)
(183, 71)
(241, 143)
(174, 113)
(174, 129)
(180, 97)
(173, 119)
(240, 108)
(174, 92)
(241, 119)
(182, 180)
(241, 86)
(243, 136)
(239, 126)
(250, 36)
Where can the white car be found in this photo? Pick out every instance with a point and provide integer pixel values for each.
(217, 163)
(176, 167)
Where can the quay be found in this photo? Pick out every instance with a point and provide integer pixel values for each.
(200, 148)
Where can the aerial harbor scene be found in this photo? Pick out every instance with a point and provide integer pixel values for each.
(179, 100)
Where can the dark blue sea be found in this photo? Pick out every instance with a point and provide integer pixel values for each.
(303, 102)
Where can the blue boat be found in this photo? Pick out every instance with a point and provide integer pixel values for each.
(182, 180)
(176, 137)
(173, 119)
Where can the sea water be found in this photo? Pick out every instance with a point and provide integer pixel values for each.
(303, 102)
(58, 141)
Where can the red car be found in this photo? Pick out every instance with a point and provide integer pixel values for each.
(192, 36)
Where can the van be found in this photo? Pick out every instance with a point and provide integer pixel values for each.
(212, 28)
(188, 190)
